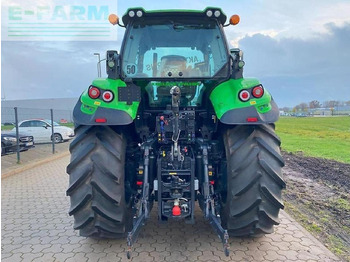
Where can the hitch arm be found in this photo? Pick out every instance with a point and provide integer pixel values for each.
(143, 212)
(210, 213)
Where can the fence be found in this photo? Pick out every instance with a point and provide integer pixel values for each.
(21, 128)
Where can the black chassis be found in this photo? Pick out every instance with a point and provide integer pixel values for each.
(179, 163)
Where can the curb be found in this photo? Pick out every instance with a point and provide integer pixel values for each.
(32, 165)
(310, 236)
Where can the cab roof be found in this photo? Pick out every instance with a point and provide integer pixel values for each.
(140, 13)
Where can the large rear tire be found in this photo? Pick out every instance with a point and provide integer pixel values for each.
(254, 180)
(96, 182)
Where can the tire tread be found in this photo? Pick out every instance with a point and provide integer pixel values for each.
(254, 180)
(96, 186)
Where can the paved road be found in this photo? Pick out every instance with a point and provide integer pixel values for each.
(36, 227)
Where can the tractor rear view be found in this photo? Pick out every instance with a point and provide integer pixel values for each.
(175, 123)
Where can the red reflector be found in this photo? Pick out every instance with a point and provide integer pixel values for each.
(176, 211)
(244, 95)
(212, 182)
(100, 120)
(107, 96)
(139, 183)
(252, 119)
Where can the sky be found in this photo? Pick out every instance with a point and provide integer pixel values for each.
(298, 49)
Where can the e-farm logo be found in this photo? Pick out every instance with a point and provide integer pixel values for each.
(61, 22)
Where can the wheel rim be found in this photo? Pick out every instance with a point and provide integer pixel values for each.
(57, 138)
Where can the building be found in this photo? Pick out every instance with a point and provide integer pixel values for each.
(38, 108)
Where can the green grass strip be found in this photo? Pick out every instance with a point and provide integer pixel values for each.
(325, 137)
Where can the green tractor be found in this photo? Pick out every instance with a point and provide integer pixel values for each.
(175, 123)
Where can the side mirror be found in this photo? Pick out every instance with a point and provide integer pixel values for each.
(237, 63)
(112, 64)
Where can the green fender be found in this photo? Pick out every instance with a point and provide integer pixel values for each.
(116, 112)
(230, 109)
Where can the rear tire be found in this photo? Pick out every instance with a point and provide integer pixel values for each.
(96, 182)
(254, 180)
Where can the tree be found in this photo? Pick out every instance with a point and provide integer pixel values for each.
(314, 104)
(331, 103)
(296, 108)
(285, 109)
(303, 107)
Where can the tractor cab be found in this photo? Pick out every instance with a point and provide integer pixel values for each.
(174, 47)
(163, 49)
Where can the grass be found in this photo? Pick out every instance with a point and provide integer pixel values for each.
(320, 230)
(337, 246)
(6, 128)
(325, 137)
(342, 204)
(71, 125)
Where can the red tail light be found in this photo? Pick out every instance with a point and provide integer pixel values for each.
(94, 92)
(107, 96)
(244, 95)
(100, 120)
(252, 119)
(258, 91)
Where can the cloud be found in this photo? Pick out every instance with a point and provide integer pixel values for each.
(291, 46)
(49, 70)
(301, 69)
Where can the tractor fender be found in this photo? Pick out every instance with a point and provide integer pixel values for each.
(229, 109)
(122, 110)
(250, 116)
(112, 116)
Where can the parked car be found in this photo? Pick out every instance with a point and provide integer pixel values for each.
(8, 124)
(41, 130)
(9, 142)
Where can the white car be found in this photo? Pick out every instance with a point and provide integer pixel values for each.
(40, 129)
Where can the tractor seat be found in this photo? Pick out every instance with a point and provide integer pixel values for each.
(173, 66)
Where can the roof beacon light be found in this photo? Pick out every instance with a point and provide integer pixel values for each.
(217, 13)
(209, 13)
(131, 13)
(234, 20)
(139, 13)
(113, 19)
